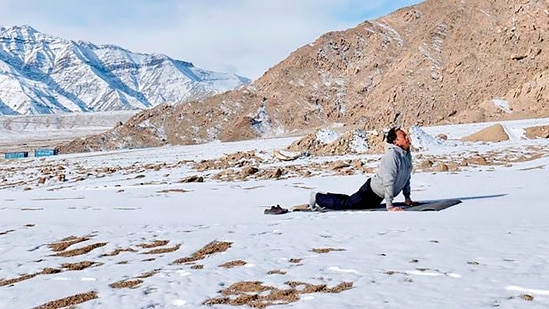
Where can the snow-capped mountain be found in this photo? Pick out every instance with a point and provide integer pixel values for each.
(42, 74)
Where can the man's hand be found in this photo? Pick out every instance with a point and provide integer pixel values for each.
(395, 209)
(409, 202)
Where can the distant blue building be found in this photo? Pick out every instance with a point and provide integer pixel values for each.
(45, 152)
(16, 155)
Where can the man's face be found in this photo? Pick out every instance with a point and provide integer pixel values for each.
(402, 140)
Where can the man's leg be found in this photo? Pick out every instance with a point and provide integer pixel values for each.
(336, 201)
(333, 201)
(364, 198)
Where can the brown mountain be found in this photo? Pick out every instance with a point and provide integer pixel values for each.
(438, 62)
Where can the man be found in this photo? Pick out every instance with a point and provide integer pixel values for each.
(392, 176)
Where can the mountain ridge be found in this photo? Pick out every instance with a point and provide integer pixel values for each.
(43, 74)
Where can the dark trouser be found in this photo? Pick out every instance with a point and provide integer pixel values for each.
(364, 198)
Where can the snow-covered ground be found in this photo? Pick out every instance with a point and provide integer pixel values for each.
(129, 229)
(26, 133)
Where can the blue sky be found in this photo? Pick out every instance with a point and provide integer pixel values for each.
(241, 36)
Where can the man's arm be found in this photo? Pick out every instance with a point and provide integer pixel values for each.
(407, 189)
(406, 192)
(388, 170)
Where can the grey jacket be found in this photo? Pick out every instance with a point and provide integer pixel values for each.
(393, 174)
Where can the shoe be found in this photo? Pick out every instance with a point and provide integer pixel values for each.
(312, 203)
(275, 210)
(280, 210)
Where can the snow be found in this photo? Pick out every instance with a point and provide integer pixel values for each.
(502, 104)
(391, 35)
(95, 78)
(424, 141)
(359, 143)
(327, 136)
(489, 251)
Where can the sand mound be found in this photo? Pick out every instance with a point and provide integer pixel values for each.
(495, 133)
(537, 132)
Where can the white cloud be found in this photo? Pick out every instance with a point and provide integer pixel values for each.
(242, 36)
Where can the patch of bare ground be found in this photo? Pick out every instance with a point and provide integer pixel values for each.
(237, 159)
(232, 264)
(49, 271)
(45, 271)
(523, 157)
(326, 250)
(58, 198)
(69, 302)
(494, 133)
(527, 297)
(6, 232)
(192, 178)
(13, 184)
(454, 163)
(320, 288)
(252, 169)
(80, 251)
(67, 242)
(156, 243)
(11, 281)
(124, 284)
(118, 251)
(438, 165)
(256, 295)
(276, 272)
(125, 208)
(80, 265)
(295, 260)
(211, 248)
(131, 283)
(173, 190)
(147, 274)
(162, 250)
(537, 132)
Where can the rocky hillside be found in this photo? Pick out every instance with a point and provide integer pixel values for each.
(43, 74)
(438, 62)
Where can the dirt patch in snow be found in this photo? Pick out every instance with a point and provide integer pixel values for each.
(69, 302)
(537, 132)
(326, 250)
(123, 284)
(80, 251)
(256, 295)
(67, 242)
(154, 244)
(211, 248)
(232, 264)
(494, 133)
